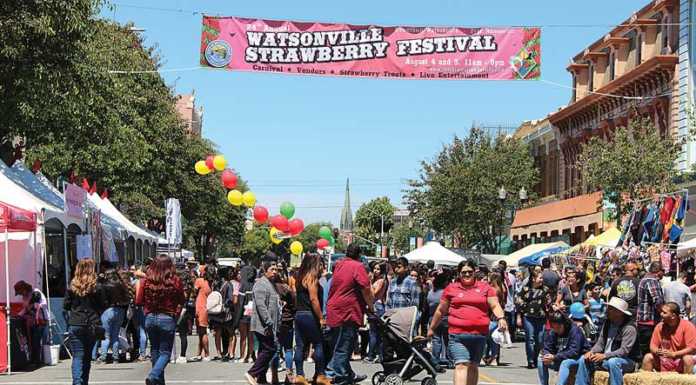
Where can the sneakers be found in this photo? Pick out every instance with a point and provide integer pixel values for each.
(207, 359)
(181, 360)
(250, 379)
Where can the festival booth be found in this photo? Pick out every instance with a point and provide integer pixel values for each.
(14, 220)
(533, 253)
(434, 251)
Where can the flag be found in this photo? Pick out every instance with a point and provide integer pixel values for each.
(94, 188)
(85, 184)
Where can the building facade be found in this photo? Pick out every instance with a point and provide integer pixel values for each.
(190, 114)
(641, 67)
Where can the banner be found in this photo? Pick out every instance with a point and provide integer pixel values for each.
(74, 196)
(84, 246)
(173, 225)
(286, 47)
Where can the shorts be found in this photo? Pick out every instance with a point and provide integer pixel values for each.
(466, 348)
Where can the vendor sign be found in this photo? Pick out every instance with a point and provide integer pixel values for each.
(286, 47)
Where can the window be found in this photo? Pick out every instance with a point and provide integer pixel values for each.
(590, 76)
(612, 65)
(631, 47)
(639, 48)
(574, 96)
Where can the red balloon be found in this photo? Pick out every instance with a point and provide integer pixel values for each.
(260, 214)
(296, 226)
(229, 179)
(280, 223)
(322, 243)
(209, 162)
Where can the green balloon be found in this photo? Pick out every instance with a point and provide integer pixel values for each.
(325, 232)
(287, 210)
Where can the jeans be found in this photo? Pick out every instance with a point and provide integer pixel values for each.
(37, 339)
(345, 337)
(512, 323)
(616, 367)
(307, 330)
(285, 338)
(440, 342)
(111, 319)
(563, 370)
(466, 348)
(492, 349)
(82, 341)
(161, 330)
(139, 321)
(533, 337)
(374, 350)
(267, 350)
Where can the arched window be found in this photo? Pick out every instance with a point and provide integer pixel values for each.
(590, 76)
(639, 48)
(612, 65)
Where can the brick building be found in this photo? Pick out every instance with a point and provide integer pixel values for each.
(192, 116)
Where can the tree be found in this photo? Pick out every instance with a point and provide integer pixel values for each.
(369, 220)
(310, 235)
(255, 244)
(456, 192)
(636, 162)
(401, 237)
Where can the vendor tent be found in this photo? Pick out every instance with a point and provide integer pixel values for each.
(13, 219)
(434, 251)
(687, 247)
(112, 212)
(609, 238)
(535, 251)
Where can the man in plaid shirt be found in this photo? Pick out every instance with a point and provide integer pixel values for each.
(403, 289)
(650, 300)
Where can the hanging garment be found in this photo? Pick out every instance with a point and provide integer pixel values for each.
(637, 225)
(649, 223)
(667, 208)
(666, 260)
(667, 234)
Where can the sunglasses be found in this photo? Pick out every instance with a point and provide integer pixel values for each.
(466, 273)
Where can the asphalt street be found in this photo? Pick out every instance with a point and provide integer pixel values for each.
(511, 371)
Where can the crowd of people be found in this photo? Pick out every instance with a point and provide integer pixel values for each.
(278, 318)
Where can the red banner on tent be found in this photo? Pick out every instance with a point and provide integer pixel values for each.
(15, 219)
(325, 49)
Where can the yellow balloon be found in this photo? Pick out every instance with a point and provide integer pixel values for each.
(272, 233)
(219, 162)
(249, 199)
(296, 248)
(201, 168)
(234, 197)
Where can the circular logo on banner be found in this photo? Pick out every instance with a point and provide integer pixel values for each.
(218, 53)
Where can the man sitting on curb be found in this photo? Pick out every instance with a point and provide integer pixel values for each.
(616, 349)
(563, 347)
(673, 343)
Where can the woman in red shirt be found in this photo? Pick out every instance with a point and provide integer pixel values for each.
(467, 303)
(163, 296)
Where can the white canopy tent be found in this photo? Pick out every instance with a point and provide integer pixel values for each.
(514, 258)
(119, 219)
(434, 251)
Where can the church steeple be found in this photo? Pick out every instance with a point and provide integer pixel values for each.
(346, 213)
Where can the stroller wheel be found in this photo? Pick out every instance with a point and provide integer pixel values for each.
(393, 379)
(429, 381)
(378, 378)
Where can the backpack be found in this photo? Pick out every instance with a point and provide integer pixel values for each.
(214, 303)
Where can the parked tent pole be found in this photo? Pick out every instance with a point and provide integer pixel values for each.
(65, 256)
(48, 291)
(7, 298)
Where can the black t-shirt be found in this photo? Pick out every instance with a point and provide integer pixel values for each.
(626, 288)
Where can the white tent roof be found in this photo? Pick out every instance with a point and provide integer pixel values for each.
(117, 219)
(514, 258)
(434, 251)
(684, 248)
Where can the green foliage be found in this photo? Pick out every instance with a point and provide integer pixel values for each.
(456, 192)
(120, 130)
(255, 244)
(401, 237)
(368, 219)
(636, 162)
(310, 235)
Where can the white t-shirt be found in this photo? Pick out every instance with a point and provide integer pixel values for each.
(678, 292)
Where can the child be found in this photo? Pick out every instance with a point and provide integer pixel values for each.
(598, 307)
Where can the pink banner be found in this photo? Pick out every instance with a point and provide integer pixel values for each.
(74, 199)
(287, 47)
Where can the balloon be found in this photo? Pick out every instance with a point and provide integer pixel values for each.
(229, 179)
(272, 233)
(296, 248)
(219, 162)
(260, 213)
(295, 226)
(325, 232)
(201, 168)
(287, 209)
(235, 197)
(209, 162)
(322, 243)
(280, 223)
(249, 199)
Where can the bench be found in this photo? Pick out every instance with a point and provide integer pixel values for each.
(648, 378)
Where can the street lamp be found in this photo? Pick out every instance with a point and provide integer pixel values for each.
(502, 196)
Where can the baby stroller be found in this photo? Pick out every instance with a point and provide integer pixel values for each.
(404, 356)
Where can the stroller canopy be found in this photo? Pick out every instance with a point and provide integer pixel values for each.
(402, 321)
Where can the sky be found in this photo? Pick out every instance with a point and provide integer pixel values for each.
(298, 138)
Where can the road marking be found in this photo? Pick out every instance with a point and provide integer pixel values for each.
(487, 378)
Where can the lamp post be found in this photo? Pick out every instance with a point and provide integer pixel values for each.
(502, 196)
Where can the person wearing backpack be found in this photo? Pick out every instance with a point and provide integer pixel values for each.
(202, 287)
(220, 305)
